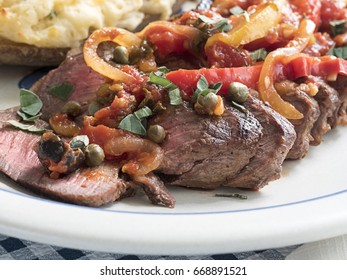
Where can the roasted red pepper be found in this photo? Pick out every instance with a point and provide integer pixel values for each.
(186, 80)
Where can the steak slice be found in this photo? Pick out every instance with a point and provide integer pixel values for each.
(292, 93)
(95, 186)
(75, 72)
(340, 85)
(278, 138)
(206, 151)
(329, 104)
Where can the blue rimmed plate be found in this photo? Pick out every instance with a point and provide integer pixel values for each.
(307, 204)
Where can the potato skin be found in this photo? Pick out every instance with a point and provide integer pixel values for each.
(12, 53)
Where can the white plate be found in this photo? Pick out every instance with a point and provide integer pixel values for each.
(308, 203)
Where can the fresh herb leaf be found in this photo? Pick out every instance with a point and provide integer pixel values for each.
(233, 195)
(174, 92)
(93, 107)
(26, 127)
(133, 124)
(63, 91)
(30, 103)
(144, 112)
(340, 52)
(154, 78)
(202, 83)
(216, 87)
(258, 55)
(222, 26)
(163, 69)
(240, 107)
(338, 26)
(207, 20)
(203, 88)
(79, 142)
(175, 97)
(237, 10)
(28, 118)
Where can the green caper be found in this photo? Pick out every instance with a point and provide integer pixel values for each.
(156, 133)
(72, 108)
(94, 155)
(135, 55)
(93, 107)
(238, 92)
(206, 103)
(121, 55)
(210, 102)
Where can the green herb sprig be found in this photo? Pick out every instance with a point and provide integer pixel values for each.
(30, 107)
(26, 127)
(338, 26)
(232, 195)
(203, 88)
(62, 91)
(237, 10)
(258, 55)
(221, 25)
(159, 78)
(136, 122)
(340, 52)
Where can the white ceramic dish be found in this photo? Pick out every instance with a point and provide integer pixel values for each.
(307, 204)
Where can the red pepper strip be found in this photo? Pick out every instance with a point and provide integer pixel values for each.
(292, 69)
(326, 67)
(266, 86)
(186, 80)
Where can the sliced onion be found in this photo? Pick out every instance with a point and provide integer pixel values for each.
(117, 35)
(144, 156)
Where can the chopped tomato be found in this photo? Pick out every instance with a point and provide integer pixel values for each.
(169, 37)
(332, 10)
(99, 134)
(222, 55)
(310, 9)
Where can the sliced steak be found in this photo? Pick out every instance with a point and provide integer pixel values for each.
(340, 85)
(292, 93)
(75, 72)
(206, 151)
(86, 186)
(278, 138)
(329, 104)
(156, 190)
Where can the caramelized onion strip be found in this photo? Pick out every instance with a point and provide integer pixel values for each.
(117, 35)
(144, 156)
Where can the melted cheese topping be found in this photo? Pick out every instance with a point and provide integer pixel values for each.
(65, 23)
